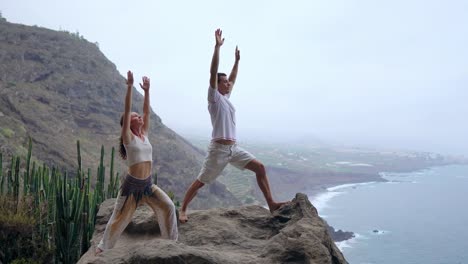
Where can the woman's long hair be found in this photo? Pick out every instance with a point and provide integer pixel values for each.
(122, 150)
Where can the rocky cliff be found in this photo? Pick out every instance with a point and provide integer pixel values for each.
(58, 88)
(250, 234)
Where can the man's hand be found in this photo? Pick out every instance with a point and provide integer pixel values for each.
(129, 78)
(237, 54)
(219, 37)
(146, 84)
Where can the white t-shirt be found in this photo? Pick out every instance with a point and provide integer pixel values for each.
(223, 115)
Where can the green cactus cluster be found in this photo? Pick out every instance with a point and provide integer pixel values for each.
(64, 207)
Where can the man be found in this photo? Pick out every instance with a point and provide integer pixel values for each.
(223, 148)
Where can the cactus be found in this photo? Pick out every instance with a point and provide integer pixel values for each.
(171, 195)
(16, 183)
(112, 180)
(78, 173)
(70, 200)
(10, 177)
(155, 178)
(2, 179)
(26, 179)
(100, 178)
(65, 207)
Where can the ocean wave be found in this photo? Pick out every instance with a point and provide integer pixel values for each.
(344, 244)
(399, 181)
(350, 242)
(321, 200)
(352, 164)
(348, 185)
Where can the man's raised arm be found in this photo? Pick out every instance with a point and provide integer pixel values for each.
(233, 75)
(215, 59)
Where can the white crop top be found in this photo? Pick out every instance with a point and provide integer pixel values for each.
(139, 150)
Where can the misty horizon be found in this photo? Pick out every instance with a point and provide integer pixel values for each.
(383, 75)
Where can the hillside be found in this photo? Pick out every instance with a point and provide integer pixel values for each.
(58, 88)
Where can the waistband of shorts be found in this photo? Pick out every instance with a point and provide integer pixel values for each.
(222, 146)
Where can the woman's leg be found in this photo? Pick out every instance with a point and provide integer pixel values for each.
(165, 212)
(118, 222)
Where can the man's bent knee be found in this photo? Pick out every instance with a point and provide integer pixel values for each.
(198, 184)
(256, 166)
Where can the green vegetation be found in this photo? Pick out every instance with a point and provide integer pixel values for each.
(47, 216)
(2, 19)
(75, 35)
(6, 132)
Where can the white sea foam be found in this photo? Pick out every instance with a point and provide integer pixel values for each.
(343, 244)
(350, 242)
(361, 165)
(348, 185)
(394, 182)
(320, 201)
(343, 162)
(352, 164)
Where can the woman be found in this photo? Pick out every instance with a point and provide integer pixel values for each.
(137, 187)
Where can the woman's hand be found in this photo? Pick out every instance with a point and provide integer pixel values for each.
(146, 84)
(129, 78)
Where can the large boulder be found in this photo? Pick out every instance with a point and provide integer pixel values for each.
(249, 234)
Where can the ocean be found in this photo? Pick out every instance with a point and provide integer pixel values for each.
(414, 218)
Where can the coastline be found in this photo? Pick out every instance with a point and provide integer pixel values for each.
(371, 178)
(388, 215)
(320, 197)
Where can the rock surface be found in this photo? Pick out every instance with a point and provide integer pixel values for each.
(250, 234)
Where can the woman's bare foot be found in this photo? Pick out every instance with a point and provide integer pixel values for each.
(98, 251)
(183, 217)
(275, 206)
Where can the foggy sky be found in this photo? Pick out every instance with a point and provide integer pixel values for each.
(372, 73)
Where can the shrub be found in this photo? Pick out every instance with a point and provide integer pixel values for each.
(6, 132)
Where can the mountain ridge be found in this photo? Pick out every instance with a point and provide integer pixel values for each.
(57, 88)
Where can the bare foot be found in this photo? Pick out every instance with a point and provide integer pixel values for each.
(275, 206)
(183, 217)
(98, 251)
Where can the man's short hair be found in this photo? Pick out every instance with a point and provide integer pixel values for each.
(221, 74)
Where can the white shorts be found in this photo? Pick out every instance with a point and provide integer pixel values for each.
(219, 156)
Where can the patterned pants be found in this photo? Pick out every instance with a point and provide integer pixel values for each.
(158, 200)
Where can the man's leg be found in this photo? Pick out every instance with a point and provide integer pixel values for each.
(216, 159)
(189, 195)
(262, 180)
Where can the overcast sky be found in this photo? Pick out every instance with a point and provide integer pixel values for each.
(372, 73)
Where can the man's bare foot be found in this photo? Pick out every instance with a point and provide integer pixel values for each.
(275, 206)
(183, 217)
(98, 251)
